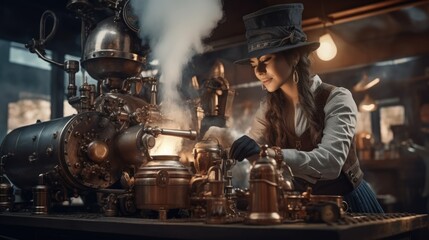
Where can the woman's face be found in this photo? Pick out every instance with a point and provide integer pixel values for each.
(273, 70)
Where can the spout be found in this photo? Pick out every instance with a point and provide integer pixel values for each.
(190, 134)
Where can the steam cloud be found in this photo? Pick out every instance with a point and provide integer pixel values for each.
(175, 30)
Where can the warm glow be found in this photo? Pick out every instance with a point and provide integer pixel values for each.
(167, 145)
(365, 83)
(368, 104)
(369, 107)
(327, 50)
(372, 83)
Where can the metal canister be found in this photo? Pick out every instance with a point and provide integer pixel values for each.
(77, 146)
(162, 183)
(264, 209)
(6, 196)
(41, 200)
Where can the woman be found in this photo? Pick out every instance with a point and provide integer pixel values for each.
(310, 123)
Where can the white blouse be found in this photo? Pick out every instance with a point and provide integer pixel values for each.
(327, 159)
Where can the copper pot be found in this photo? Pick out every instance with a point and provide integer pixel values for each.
(162, 183)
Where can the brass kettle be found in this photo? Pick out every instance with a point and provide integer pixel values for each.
(263, 205)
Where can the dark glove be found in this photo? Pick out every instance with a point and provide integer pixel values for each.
(243, 147)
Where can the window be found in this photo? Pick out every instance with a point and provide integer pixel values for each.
(390, 116)
(20, 55)
(27, 111)
(363, 123)
(24, 85)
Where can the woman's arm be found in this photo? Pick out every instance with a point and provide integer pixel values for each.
(327, 159)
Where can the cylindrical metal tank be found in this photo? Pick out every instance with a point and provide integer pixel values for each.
(76, 148)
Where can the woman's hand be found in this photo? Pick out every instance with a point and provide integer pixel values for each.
(243, 147)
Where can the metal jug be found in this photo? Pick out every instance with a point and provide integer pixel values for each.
(263, 206)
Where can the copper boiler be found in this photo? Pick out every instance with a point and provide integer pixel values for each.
(162, 184)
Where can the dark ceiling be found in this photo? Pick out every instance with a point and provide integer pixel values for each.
(365, 31)
(314, 13)
(368, 30)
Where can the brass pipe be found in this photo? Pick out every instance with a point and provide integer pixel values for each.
(190, 134)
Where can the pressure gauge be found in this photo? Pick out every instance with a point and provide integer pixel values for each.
(130, 19)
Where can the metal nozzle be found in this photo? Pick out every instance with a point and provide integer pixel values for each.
(190, 134)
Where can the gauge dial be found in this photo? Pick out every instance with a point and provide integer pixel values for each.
(130, 19)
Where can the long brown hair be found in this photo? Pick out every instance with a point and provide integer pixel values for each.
(277, 113)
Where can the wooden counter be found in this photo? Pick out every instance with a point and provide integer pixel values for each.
(94, 226)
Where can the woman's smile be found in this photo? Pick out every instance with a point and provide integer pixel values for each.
(266, 82)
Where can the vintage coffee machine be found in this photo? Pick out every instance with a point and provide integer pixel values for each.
(105, 149)
(115, 128)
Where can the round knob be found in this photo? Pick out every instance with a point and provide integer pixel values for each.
(148, 141)
(98, 151)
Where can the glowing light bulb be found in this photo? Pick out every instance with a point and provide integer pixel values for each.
(368, 104)
(327, 50)
(368, 108)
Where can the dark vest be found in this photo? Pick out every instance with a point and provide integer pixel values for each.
(351, 173)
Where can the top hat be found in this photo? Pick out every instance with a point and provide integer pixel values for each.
(274, 29)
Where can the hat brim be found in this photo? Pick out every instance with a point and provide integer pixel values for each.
(308, 46)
